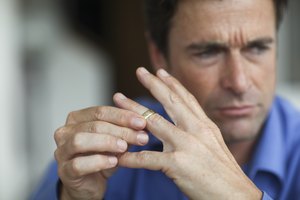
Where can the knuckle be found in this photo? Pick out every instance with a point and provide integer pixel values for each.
(124, 118)
(154, 83)
(142, 157)
(172, 82)
(77, 141)
(60, 171)
(100, 112)
(174, 157)
(200, 124)
(71, 118)
(178, 158)
(191, 97)
(208, 127)
(75, 167)
(109, 141)
(57, 155)
(95, 127)
(100, 162)
(125, 134)
(58, 134)
(174, 98)
(214, 127)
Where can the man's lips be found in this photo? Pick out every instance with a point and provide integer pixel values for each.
(236, 111)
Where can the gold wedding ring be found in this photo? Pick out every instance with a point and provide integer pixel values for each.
(148, 113)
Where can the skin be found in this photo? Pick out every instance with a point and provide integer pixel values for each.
(87, 146)
(227, 62)
(200, 147)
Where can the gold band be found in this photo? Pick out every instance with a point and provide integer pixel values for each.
(148, 113)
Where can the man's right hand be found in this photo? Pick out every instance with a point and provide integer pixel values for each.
(88, 147)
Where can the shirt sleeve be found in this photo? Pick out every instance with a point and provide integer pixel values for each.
(48, 188)
(266, 196)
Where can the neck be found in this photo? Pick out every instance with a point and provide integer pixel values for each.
(242, 151)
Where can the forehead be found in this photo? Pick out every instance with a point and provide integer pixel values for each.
(224, 19)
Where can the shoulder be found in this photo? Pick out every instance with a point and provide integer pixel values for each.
(289, 117)
(286, 108)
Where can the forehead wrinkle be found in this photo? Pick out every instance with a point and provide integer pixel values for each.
(234, 38)
(238, 38)
(233, 26)
(229, 22)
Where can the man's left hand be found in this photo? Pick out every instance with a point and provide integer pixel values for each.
(194, 155)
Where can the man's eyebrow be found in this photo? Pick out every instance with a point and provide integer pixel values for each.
(205, 45)
(219, 45)
(264, 40)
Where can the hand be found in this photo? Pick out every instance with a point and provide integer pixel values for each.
(88, 147)
(194, 156)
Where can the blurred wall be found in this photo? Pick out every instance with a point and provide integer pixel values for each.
(288, 69)
(13, 167)
(64, 72)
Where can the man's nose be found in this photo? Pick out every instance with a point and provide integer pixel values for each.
(235, 74)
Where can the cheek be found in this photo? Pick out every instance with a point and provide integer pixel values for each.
(201, 83)
(264, 76)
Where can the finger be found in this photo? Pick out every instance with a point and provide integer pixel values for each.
(187, 97)
(87, 143)
(109, 114)
(182, 92)
(85, 165)
(156, 124)
(136, 137)
(174, 105)
(151, 160)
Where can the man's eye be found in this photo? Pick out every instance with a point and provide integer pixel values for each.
(208, 53)
(257, 49)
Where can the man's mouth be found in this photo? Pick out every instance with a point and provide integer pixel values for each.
(236, 111)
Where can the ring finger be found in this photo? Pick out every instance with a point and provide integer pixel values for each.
(156, 124)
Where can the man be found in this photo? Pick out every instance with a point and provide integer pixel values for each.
(218, 132)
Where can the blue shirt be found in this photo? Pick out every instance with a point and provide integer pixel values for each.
(274, 167)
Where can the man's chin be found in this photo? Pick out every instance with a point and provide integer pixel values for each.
(235, 132)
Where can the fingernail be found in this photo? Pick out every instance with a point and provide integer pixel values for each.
(122, 145)
(142, 138)
(163, 73)
(143, 70)
(121, 96)
(138, 122)
(112, 160)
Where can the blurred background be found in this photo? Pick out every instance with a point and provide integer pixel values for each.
(64, 55)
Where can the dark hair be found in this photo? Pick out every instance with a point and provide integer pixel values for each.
(159, 13)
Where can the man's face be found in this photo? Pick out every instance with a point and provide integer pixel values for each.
(224, 53)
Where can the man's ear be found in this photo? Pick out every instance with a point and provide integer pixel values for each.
(157, 58)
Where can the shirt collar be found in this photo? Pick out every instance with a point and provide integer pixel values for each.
(269, 155)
